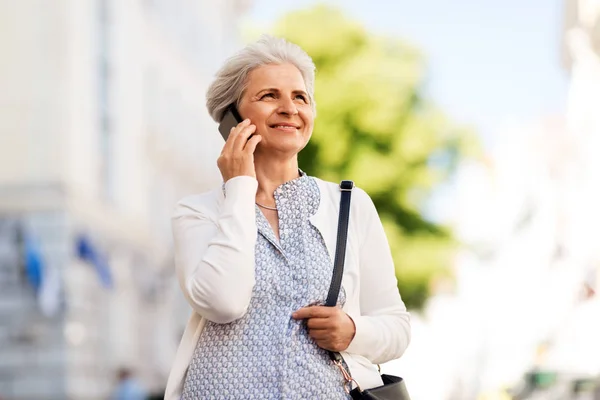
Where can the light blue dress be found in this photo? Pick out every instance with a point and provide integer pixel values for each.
(266, 354)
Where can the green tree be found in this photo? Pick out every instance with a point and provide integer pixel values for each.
(375, 127)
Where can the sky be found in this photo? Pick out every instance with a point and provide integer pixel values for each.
(491, 63)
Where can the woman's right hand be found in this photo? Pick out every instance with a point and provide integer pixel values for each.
(237, 156)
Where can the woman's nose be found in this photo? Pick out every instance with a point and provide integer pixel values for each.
(287, 106)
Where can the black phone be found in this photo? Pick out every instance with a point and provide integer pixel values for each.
(230, 119)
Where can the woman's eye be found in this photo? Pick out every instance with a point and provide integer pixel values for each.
(301, 97)
(271, 95)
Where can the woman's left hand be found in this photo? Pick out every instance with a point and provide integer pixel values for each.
(330, 327)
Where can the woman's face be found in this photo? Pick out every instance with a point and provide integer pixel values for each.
(276, 102)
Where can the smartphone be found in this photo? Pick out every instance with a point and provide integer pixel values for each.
(230, 119)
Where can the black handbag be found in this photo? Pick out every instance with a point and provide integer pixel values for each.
(393, 387)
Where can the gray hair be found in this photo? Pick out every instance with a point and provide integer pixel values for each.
(231, 80)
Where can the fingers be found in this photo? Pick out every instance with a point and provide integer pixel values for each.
(320, 335)
(252, 143)
(237, 156)
(233, 135)
(320, 323)
(327, 341)
(314, 312)
(242, 136)
(231, 138)
(330, 327)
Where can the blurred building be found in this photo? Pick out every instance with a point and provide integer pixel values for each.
(524, 315)
(531, 219)
(103, 128)
(576, 346)
(581, 56)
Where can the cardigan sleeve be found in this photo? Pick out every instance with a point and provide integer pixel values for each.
(214, 256)
(383, 326)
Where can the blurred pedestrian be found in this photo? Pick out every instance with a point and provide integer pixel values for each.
(128, 387)
(254, 256)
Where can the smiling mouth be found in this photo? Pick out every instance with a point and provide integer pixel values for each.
(285, 127)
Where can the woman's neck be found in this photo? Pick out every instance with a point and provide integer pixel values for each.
(272, 173)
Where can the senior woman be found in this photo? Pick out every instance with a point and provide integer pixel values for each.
(254, 256)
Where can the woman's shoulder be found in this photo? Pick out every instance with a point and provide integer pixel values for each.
(332, 189)
(205, 203)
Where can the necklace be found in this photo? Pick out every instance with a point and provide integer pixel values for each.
(267, 207)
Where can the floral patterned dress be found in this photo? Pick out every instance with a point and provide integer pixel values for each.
(266, 354)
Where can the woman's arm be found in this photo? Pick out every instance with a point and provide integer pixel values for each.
(215, 259)
(383, 326)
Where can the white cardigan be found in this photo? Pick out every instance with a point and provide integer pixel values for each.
(215, 236)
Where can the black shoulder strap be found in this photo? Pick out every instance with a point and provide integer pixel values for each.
(340, 250)
(340, 253)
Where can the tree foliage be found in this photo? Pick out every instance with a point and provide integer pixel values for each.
(375, 127)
